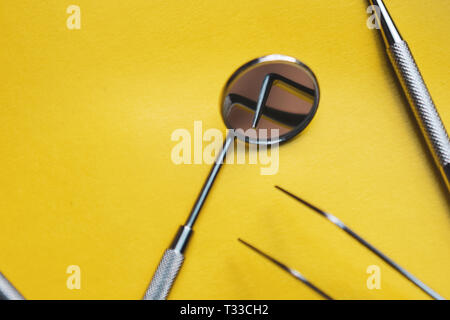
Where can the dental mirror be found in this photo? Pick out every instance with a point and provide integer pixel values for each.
(272, 92)
(267, 101)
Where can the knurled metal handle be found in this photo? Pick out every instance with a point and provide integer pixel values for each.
(165, 274)
(421, 102)
(7, 290)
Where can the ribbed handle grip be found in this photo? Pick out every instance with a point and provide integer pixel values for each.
(7, 290)
(165, 274)
(420, 101)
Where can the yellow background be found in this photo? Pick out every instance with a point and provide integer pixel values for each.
(87, 179)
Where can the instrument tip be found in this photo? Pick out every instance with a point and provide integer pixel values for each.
(306, 203)
(292, 272)
(263, 254)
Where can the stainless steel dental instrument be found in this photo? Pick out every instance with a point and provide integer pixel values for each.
(7, 290)
(297, 275)
(333, 219)
(416, 91)
(289, 104)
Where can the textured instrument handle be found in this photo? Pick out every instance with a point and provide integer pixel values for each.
(7, 290)
(420, 101)
(165, 274)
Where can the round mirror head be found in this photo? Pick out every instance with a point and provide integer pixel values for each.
(270, 99)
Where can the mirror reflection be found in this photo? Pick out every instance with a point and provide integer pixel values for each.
(270, 93)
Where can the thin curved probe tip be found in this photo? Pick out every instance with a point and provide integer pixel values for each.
(333, 219)
(297, 275)
(306, 203)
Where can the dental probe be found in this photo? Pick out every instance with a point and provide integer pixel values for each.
(416, 91)
(297, 275)
(333, 219)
